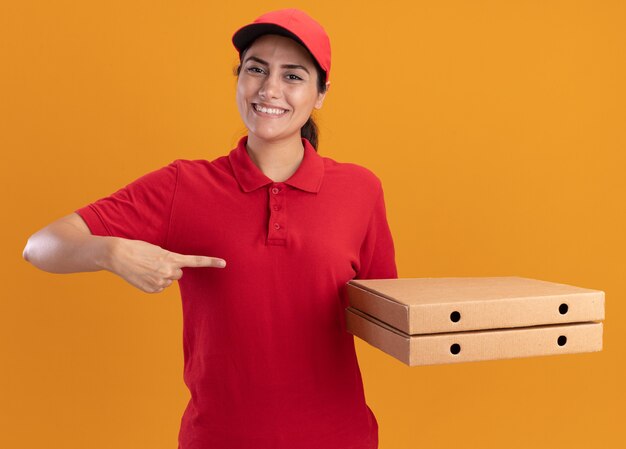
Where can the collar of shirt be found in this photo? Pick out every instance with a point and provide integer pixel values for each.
(308, 176)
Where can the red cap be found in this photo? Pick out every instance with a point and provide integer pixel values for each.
(292, 23)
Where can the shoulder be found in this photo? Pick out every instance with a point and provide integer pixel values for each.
(201, 166)
(353, 176)
(191, 164)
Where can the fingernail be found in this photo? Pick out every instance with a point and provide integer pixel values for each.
(221, 263)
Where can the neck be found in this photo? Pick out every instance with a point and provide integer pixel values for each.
(277, 160)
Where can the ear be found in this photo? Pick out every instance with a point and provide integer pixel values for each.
(320, 97)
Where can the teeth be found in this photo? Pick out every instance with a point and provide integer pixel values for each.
(269, 110)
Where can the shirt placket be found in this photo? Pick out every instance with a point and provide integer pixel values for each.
(276, 226)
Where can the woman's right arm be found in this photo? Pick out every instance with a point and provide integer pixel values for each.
(68, 246)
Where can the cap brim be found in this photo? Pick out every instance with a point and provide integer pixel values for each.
(249, 33)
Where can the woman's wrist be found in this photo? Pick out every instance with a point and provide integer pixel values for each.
(106, 249)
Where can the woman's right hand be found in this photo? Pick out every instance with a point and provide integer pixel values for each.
(151, 268)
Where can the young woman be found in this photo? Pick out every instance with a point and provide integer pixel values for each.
(262, 242)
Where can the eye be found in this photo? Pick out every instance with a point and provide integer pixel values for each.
(254, 69)
(293, 77)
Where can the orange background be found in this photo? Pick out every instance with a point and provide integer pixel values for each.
(496, 127)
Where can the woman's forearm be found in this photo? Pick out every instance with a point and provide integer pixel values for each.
(63, 248)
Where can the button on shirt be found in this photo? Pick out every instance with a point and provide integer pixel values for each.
(267, 358)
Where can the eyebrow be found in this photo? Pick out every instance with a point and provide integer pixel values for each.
(285, 66)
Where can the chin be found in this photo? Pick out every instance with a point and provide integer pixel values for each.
(267, 135)
(267, 132)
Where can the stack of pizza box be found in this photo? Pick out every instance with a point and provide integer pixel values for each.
(428, 321)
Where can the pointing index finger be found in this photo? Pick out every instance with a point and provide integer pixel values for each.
(200, 261)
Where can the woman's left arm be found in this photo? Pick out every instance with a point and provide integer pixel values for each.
(377, 254)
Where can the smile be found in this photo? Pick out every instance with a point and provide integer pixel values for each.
(274, 112)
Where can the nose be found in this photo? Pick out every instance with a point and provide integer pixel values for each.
(271, 87)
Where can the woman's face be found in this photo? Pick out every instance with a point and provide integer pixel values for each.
(277, 74)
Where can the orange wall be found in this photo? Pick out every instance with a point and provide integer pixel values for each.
(496, 127)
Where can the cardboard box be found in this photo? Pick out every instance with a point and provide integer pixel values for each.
(423, 321)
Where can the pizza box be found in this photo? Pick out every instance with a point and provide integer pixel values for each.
(472, 346)
(432, 305)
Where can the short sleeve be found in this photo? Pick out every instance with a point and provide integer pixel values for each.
(377, 254)
(139, 211)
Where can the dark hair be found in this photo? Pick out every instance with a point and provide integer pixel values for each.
(309, 130)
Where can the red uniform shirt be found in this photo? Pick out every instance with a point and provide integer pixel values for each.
(267, 359)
